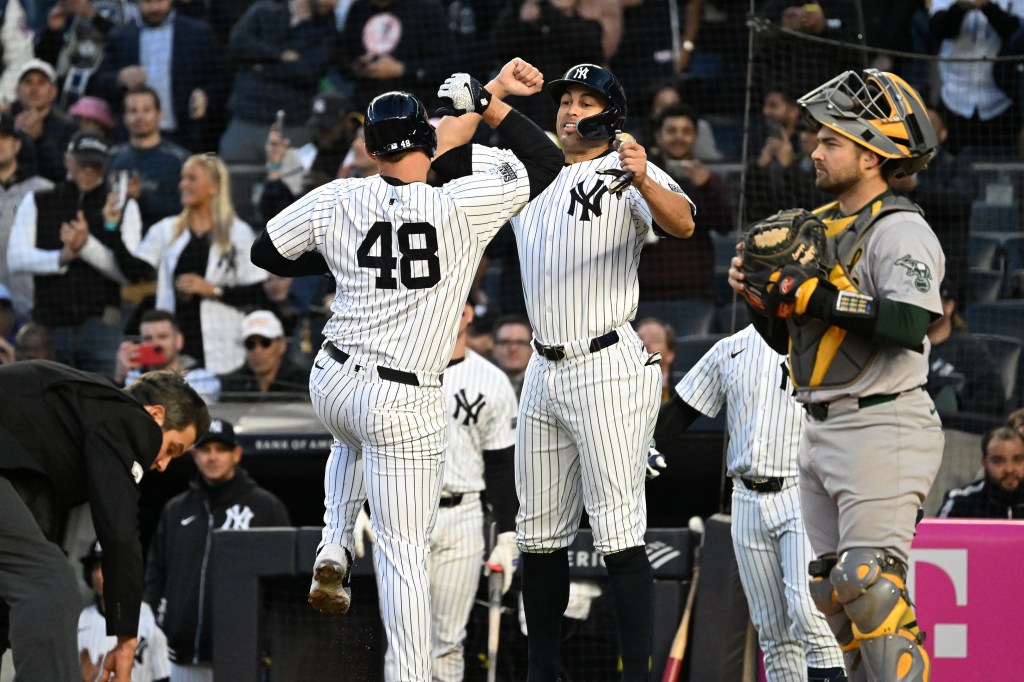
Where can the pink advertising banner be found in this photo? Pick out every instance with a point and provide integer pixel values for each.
(964, 579)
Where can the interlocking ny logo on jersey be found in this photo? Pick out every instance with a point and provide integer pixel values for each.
(587, 200)
(472, 409)
(238, 517)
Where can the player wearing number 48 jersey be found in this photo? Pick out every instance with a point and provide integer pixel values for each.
(768, 535)
(591, 391)
(403, 255)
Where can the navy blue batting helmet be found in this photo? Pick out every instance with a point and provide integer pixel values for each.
(397, 122)
(599, 126)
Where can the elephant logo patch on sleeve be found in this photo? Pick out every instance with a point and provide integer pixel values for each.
(920, 272)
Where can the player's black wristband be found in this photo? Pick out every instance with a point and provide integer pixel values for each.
(533, 148)
(499, 476)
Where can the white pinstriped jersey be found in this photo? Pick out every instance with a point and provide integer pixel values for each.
(403, 256)
(764, 421)
(151, 658)
(482, 411)
(579, 251)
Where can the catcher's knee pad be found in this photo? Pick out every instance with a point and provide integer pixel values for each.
(824, 598)
(870, 586)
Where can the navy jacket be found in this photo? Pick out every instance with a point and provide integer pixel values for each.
(196, 62)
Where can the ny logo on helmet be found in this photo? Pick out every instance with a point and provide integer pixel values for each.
(582, 72)
(919, 271)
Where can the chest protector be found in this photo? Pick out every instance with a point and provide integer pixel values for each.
(825, 356)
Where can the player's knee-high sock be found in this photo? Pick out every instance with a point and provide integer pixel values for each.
(545, 597)
(632, 584)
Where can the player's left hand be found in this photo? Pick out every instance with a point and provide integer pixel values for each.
(505, 558)
(462, 94)
(655, 463)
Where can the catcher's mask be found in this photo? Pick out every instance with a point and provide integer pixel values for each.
(600, 126)
(397, 122)
(880, 112)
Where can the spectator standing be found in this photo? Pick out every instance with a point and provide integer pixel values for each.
(674, 268)
(976, 109)
(998, 494)
(179, 58)
(40, 121)
(204, 275)
(512, 348)
(392, 45)
(66, 237)
(159, 328)
(154, 163)
(15, 49)
(15, 183)
(267, 368)
(151, 661)
(178, 586)
(281, 51)
(525, 27)
(71, 437)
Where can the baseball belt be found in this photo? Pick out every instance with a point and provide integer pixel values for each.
(556, 353)
(386, 373)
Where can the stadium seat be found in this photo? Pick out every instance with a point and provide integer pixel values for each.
(983, 251)
(984, 285)
(686, 317)
(1006, 352)
(689, 350)
(987, 217)
(1005, 318)
(724, 322)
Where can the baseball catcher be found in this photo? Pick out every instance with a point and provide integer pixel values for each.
(785, 258)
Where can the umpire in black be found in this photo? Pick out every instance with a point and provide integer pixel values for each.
(67, 437)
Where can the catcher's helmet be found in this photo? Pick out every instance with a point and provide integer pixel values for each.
(89, 560)
(878, 111)
(599, 126)
(397, 122)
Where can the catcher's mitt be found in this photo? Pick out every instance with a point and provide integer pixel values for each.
(793, 240)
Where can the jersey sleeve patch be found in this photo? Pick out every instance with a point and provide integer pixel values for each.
(917, 271)
(507, 172)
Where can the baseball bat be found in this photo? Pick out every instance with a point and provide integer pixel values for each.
(674, 664)
(494, 583)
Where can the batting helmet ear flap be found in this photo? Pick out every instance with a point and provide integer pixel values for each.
(604, 125)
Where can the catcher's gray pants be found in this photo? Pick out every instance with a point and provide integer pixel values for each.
(864, 471)
(39, 585)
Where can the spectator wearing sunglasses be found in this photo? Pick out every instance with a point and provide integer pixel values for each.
(266, 369)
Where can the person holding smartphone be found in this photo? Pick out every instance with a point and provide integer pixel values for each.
(160, 347)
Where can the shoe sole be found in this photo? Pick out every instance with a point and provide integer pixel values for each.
(330, 596)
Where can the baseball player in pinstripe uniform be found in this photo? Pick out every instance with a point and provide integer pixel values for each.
(403, 255)
(591, 392)
(768, 535)
(152, 663)
(858, 356)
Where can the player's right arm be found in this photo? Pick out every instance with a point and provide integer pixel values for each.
(700, 392)
(286, 246)
(531, 146)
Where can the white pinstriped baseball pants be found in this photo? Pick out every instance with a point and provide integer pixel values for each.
(585, 425)
(391, 442)
(772, 552)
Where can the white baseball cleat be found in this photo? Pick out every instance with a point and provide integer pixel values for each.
(330, 592)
